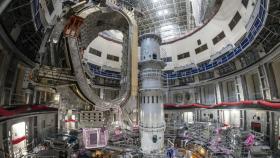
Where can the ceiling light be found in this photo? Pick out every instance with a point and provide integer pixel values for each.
(167, 27)
(160, 13)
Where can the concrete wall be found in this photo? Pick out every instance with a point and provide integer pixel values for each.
(214, 27)
(253, 115)
(219, 23)
(209, 115)
(178, 116)
(209, 96)
(47, 18)
(232, 117)
(50, 123)
(225, 89)
(185, 96)
(45, 124)
(106, 47)
(1, 138)
(229, 90)
(276, 67)
(5, 58)
(252, 84)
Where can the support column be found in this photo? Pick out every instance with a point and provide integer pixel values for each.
(202, 95)
(220, 84)
(271, 81)
(239, 89)
(45, 97)
(197, 95)
(264, 84)
(168, 98)
(52, 54)
(152, 124)
(102, 93)
(244, 87)
(4, 66)
(218, 93)
(28, 94)
(40, 97)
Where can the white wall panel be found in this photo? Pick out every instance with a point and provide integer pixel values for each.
(106, 47)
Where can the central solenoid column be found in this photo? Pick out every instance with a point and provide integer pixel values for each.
(152, 124)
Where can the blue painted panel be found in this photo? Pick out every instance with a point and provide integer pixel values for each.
(209, 66)
(244, 43)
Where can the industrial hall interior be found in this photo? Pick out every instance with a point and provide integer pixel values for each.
(139, 78)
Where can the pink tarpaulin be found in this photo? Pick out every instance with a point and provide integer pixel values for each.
(95, 137)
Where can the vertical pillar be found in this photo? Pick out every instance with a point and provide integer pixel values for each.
(28, 94)
(168, 97)
(220, 84)
(271, 81)
(34, 96)
(52, 54)
(102, 93)
(152, 124)
(45, 96)
(264, 84)
(40, 97)
(202, 95)
(218, 93)
(244, 87)
(14, 83)
(239, 89)
(197, 95)
(4, 66)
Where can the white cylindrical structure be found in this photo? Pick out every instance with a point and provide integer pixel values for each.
(152, 124)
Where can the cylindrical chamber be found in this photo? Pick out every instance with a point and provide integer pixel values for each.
(152, 124)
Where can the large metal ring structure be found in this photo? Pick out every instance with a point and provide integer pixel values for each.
(129, 78)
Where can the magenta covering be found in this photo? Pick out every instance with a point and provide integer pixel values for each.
(95, 137)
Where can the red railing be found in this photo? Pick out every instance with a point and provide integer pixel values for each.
(24, 109)
(72, 28)
(264, 103)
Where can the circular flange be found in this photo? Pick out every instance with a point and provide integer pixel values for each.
(150, 35)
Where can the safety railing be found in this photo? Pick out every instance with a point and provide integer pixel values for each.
(150, 74)
(102, 73)
(151, 127)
